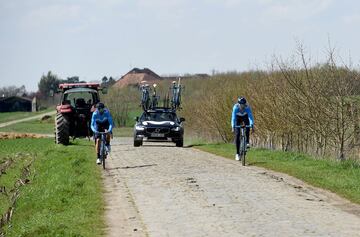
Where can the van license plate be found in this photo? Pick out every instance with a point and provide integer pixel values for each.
(157, 134)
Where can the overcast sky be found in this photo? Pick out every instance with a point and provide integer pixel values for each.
(93, 38)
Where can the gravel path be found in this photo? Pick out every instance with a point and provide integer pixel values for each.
(161, 190)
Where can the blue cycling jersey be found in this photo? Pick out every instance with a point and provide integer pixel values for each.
(96, 116)
(238, 112)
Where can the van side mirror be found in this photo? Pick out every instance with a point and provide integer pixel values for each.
(136, 119)
(182, 120)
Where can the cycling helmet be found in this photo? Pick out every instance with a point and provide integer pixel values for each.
(100, 105)
(241, 100)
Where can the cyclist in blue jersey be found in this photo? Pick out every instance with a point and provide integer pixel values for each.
(241, 115)
(101, 121)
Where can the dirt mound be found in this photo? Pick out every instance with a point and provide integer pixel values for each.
(46, 117)
(11, 135)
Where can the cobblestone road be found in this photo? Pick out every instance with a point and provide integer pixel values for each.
(161, 190)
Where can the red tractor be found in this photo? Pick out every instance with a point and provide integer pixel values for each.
(73, 114)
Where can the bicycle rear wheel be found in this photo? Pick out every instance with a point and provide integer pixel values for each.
(243, 151)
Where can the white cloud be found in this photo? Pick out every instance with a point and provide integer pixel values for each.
(50, 15)
(294, 9)
(162, 5)
(227, 3)
(351, 19)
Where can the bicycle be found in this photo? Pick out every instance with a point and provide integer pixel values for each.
(155, 98)
(176, 95)
(145, 97)
(103, 152)
(243, 148)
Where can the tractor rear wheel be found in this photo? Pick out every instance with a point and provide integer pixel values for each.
(61, 129)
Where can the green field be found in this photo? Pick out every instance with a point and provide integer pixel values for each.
(47, 127)
(9, 116)
(32, 126)
(63, 195)
(342, 178)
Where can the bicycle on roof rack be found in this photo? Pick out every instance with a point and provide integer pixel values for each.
(148, 102)
(176, 90)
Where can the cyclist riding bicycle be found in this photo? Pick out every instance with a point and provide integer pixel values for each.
(101, 121)
(241, 115)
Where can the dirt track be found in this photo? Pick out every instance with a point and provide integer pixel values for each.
(161, 190)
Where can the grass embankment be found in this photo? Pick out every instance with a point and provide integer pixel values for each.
(10, 116)
(342, 178)
(63, 194)
(32, 126)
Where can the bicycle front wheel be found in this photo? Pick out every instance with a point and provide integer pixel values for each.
(102, 154)
(103, 161)
(243, 151)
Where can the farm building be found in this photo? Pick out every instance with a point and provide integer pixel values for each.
(15, 103)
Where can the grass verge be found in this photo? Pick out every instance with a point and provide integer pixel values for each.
(123, 132)
(63, 194)
(32, 126)
(9, 116)
(342, 178)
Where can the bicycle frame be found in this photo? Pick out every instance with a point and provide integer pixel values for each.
(243, 148)
(103, 153)
(155, 98)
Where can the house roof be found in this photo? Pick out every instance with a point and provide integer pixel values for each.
(145, 71)
(2, 99)
(136, 76)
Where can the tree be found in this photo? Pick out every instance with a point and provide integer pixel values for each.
(107, 82)
(7, 91)
(73, 79)
(47, 83)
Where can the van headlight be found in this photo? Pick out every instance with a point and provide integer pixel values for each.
(139, 128)
(176, 129)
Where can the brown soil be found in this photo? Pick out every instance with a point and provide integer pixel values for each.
(11, 135)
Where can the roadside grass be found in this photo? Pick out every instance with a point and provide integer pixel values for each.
(10, 116)
(32, 126)
(130, 121)
(342, 178)
(64, 194)
(123, 132)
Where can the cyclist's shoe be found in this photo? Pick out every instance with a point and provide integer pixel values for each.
(248, 145)
(237, 157)
(108, 148)
(98, 161)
